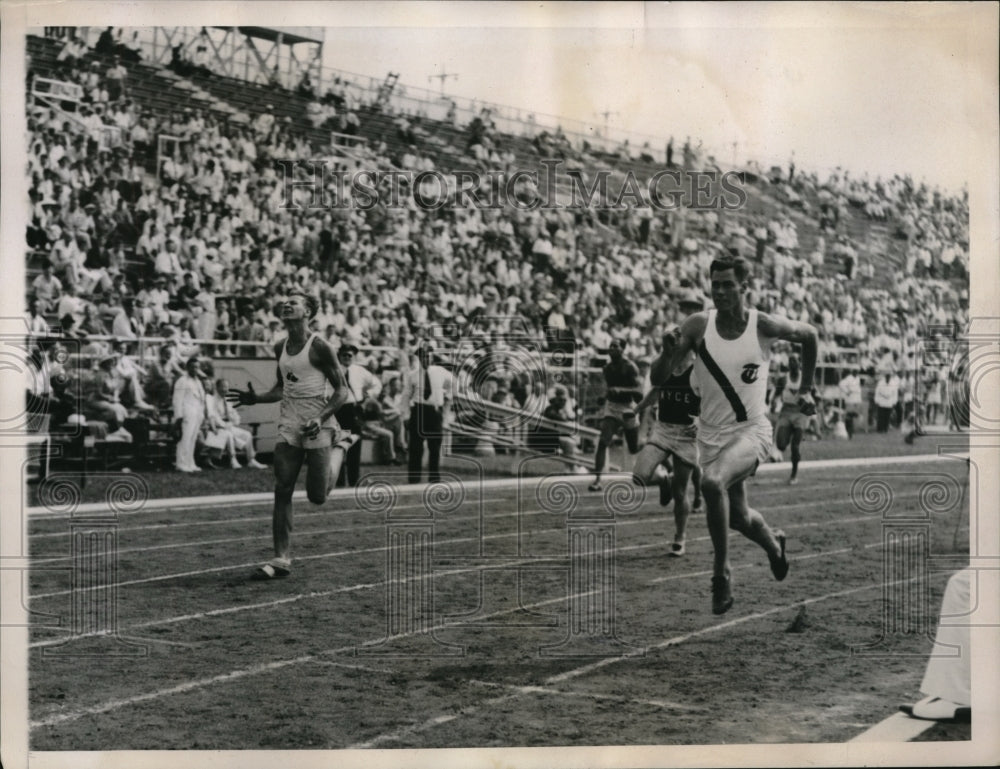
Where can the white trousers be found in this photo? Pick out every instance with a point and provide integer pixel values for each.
(949, 670)
(190, 425)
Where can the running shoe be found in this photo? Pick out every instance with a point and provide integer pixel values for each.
(722, 595)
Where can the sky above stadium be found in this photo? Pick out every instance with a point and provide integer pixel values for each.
(883, 87)
(878, 87)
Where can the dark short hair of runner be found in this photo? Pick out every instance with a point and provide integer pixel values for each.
(738, 265)
(312, 306)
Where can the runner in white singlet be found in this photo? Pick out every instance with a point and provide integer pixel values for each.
(310, 387)
(733, 343)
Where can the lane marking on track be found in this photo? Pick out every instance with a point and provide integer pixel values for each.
(631, 519)
(594, 666)
(179, 503)
(202, 683)
(521, 689)
(898, 727)
(586, 500)
(187, 686)
(383, 549)
(453, 572)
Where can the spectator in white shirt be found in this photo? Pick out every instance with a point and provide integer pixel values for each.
(46, 289)
(430, 390)
(886, 397)
(850, 391)
(363, 388)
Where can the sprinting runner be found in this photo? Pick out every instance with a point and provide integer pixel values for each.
(674, 437)
(624, 390)
(733, 344)
(791, 421)
(310, 387)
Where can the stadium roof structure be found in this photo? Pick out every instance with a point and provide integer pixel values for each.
(282, 56)
(287, 35)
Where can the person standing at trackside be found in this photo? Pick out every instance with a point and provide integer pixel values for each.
(791, 421)
(190, 410)
(430, 389)
(310, 387)
(674, 435)
(624, 390)
(947, 678)
(850, 391)
(733, 344)
(886, 397)
(362, 387)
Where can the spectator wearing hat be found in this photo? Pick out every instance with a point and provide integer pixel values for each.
(190, 410)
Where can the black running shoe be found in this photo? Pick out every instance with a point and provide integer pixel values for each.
(779, 563)
(722, 595)
(666, 492)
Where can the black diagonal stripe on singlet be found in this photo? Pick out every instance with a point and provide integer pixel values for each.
(720, 378)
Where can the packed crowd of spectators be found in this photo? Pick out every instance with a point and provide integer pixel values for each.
(198, 243)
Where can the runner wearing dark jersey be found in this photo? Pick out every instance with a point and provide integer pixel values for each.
(624, 390)
(674, 437)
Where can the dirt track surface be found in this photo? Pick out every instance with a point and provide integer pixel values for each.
(298, 663)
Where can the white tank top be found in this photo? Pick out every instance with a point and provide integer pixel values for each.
(300, 378)
(730, 375)
(790, 395)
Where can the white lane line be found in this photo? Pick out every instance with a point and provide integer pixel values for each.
(896, 728)
(663, 704)
(266, 497)
(585, 669)
(585, 501)
(187, 686)
(367, 586)
(629, 521)
(155, 505)
(381, 526)
(594, 666)
(267, 668)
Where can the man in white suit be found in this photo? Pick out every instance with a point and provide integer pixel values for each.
(189, 405)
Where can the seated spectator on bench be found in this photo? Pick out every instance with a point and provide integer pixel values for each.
(372, 427)
(47, 289)
(223, 435)
(105, 399)
(391, 405)
(549, 438)
(132, 375)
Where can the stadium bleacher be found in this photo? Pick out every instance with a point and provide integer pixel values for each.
(599, 242)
